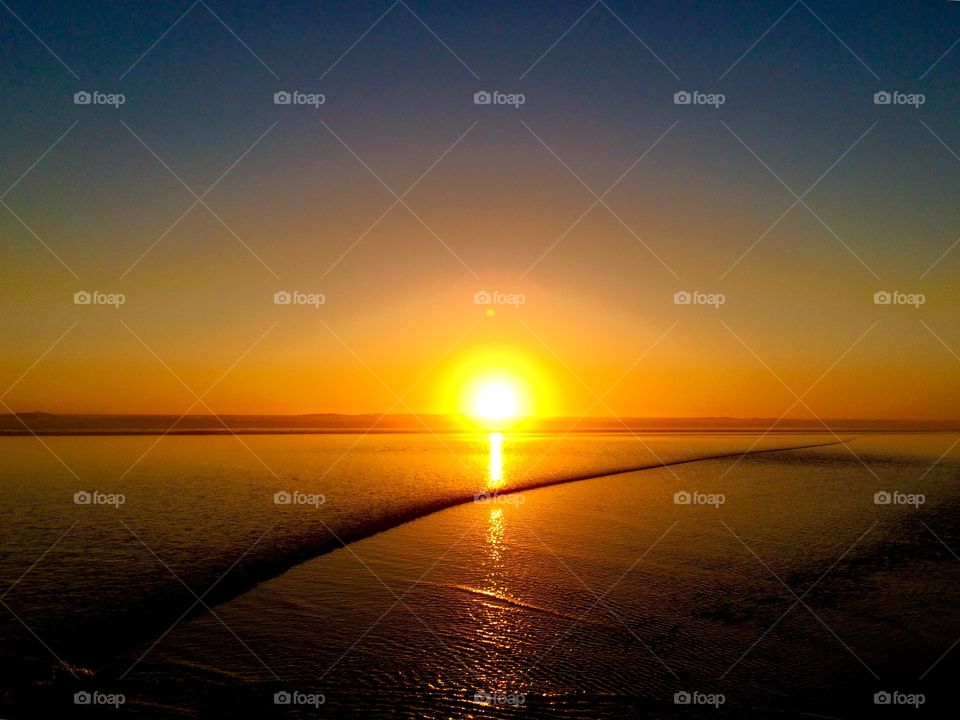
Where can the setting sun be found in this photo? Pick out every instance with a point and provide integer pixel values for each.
(496, 387)
(500, 303)
(495, 400)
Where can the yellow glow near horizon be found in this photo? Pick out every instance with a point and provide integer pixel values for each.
(495, 400)
(496, 388)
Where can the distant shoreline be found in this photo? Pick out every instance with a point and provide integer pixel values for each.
(48, 424)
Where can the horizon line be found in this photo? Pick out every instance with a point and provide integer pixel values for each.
(39, 423)
(523, 419)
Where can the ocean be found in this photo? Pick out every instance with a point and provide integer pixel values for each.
(583, 575)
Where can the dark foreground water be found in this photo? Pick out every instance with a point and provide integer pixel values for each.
(779, 583)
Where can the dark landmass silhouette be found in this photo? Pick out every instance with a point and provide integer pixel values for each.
(41, 423)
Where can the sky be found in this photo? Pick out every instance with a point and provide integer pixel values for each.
(583, 211)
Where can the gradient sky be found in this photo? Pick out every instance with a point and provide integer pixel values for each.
(500, 207)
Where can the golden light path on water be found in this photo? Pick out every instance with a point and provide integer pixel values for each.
(500, 616)
(495, 466)
(497, 522)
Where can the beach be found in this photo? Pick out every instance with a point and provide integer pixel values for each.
(779, 581)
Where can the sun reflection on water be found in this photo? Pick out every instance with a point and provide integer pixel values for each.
(502, 615)
(497, 524)
(495, 466)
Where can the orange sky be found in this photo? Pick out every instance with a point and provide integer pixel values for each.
(597, 201)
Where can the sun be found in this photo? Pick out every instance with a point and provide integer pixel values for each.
(495, 400)
(495, 388)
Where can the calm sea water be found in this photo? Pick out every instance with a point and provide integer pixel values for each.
(403, 575)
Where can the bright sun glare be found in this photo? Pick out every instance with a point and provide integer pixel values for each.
(495, 400)
(496, 389)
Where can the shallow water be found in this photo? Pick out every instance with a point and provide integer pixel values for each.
(499, 596)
